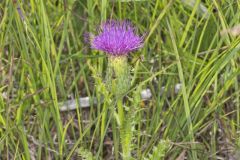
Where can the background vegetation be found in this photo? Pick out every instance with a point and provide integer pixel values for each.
(44, 61)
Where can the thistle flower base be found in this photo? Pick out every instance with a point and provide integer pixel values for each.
(118, 78)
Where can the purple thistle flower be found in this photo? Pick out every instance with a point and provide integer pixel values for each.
(117, 38)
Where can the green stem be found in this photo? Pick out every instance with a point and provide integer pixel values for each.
(120, 111)
(125, 131)
(115, 139)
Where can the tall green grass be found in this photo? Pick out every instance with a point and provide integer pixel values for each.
(44, 61)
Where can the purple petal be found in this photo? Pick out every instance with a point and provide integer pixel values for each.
(117, 38)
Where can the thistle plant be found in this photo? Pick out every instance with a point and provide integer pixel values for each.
(117, 39)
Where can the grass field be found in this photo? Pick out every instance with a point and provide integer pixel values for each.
(45, 62)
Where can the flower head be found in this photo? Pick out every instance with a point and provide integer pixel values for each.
(116, 38)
